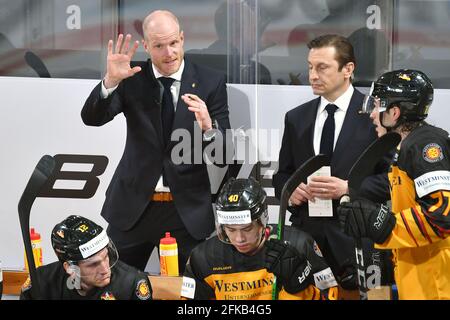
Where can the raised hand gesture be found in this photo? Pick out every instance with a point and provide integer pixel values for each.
(118, 62)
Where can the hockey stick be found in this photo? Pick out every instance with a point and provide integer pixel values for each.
(40, 176)
(362, 168)
(37, 64)
(300, 175)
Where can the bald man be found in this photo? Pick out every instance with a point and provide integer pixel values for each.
(153, 191)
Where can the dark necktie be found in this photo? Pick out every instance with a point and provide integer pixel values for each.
(168, 109)
(167, 115)
(327, 140)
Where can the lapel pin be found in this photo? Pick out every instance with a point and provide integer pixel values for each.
(194, 85)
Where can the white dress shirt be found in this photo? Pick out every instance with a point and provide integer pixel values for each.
(174, 89)
(342, 103)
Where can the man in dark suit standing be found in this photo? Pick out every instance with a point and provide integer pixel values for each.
(154, 189)
(331, 125)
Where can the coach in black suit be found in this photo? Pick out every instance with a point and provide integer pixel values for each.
(331, 65)
(151, 192)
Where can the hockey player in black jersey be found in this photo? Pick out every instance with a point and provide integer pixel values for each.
(418, 227)
(239, 263)
(88, 267)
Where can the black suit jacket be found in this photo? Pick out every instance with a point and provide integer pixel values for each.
(297, 146)
(139, 99)
(356, 134)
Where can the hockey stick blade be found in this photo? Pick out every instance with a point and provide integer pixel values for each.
(39, 177)
(362, 168)
(367, 161)
(300, 175)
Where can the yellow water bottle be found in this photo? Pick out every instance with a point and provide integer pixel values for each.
(36, 245)
(168, 256)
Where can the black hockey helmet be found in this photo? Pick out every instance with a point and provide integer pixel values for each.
(410, 90)
(240, 201)
(77, 238)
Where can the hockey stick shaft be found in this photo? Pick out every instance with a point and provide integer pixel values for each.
(362, 283)
(40, 176)
(359, 256)
(300, 175)
(362, 168)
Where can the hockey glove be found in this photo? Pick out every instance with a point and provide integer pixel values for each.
(363, 218)
(290, 267)
(347, 276)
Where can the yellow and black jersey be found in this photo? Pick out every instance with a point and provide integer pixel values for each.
(420, 188)
(420, 194)
(216, 270)
(127, 283)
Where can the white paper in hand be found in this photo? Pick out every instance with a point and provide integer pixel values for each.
(321, 207)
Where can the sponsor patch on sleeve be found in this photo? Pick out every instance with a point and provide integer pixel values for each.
(431, 182)
(188, 288)
(324, 279)
(142, 290)
(432, 152)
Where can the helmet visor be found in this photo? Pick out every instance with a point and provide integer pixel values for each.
(230, 218)
(371, 102)
(95, 270)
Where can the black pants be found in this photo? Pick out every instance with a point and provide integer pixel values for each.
(136, 245)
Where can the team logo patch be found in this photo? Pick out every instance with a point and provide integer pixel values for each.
(432, 152)
(142, 290)
(317, 249)
(107, 296)
(27, 284)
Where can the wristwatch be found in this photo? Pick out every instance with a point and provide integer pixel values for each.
(208, 135)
